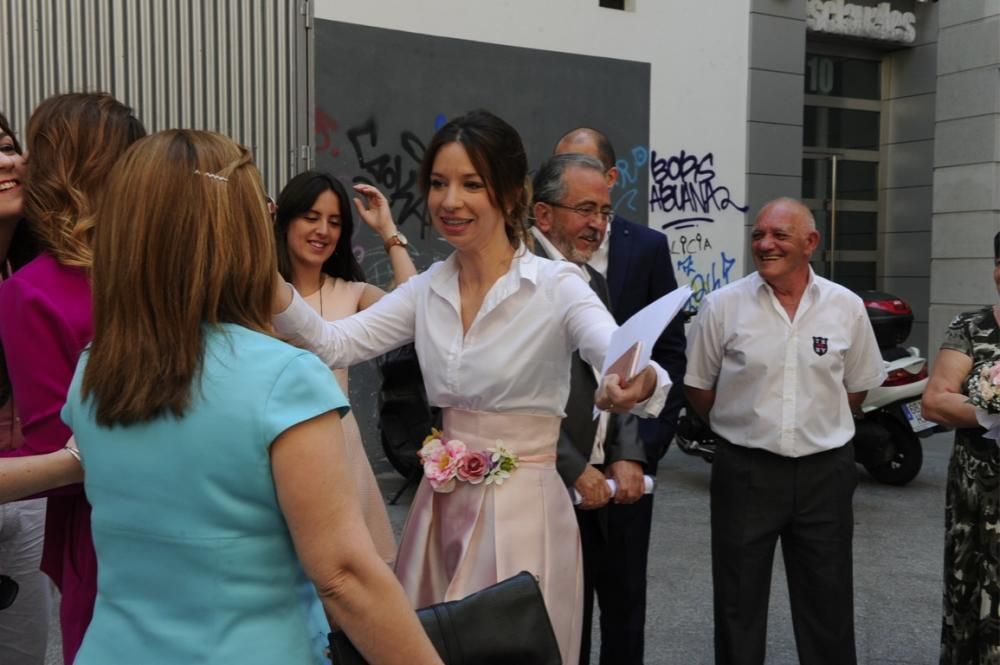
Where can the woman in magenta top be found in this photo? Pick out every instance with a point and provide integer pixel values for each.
(45, 316)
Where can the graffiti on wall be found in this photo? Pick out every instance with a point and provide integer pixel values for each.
(325, 130)
(709, 275)
(390, 166)
(625, 196)
(686, 190)
(395, 173)
(687, 197)
(686, 184)
(389, 160)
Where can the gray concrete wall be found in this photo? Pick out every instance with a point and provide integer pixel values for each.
(774, 138)
(966, 210)
(908, 119)
(775, 99)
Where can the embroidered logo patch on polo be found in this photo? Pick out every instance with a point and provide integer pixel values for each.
(820, 345)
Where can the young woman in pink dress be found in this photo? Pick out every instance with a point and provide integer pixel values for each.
(494, 327)
(313, 231)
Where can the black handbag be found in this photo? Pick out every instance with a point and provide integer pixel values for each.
(502, 624)
(405, 417)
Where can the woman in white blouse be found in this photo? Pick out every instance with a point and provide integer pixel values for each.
(494, 327)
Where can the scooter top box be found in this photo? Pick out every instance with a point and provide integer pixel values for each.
(891, 317)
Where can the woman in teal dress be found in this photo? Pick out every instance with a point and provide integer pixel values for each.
(213, 452)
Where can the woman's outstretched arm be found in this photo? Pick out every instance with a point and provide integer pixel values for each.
(385, 325)
(21, 477)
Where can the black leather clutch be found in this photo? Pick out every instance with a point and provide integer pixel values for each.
(499, 625)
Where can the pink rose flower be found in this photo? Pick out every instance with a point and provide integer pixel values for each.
(441, 461)
(473, 467)
(994, 373)
(431, 447)
(456, 449)
(440, 474)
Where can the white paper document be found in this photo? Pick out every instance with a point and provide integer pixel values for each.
(648, 487)
(645, 327)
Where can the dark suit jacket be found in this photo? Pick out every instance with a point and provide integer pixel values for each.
(640, 270)
(576, 435)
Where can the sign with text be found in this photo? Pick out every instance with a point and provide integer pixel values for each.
(881, 22)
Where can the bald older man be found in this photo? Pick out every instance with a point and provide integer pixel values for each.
(777, 364)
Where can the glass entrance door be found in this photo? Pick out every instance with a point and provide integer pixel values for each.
(840, 165)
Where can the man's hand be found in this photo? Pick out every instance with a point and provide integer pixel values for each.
(593, 489)
(628, 475)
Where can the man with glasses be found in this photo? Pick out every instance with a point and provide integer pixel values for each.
(572, 210)
(637, 264)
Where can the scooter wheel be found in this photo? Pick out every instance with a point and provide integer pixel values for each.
(907, 456)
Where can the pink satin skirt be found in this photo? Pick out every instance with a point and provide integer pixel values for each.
(457, 543)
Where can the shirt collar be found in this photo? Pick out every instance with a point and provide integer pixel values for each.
(606, 240)
(554, 253)
(550, 249)
(524, 266)
(758, 283)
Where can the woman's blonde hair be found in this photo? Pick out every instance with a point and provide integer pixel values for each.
(184, 243)
(73, 140)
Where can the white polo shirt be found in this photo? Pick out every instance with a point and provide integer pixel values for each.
(782, 385)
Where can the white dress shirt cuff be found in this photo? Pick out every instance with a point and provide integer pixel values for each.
(651, 407)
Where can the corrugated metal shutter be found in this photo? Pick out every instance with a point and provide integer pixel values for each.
(239, 67)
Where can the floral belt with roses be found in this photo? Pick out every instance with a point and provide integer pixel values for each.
(447, 461)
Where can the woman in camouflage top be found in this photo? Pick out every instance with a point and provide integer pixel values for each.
(970, 630)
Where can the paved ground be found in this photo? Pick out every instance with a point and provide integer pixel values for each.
(897, 553)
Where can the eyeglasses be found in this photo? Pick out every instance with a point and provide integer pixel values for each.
(588, 210)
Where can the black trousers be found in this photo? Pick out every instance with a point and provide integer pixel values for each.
(758, 497)
(615, 542)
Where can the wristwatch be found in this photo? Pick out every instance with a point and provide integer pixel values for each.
(396, 238)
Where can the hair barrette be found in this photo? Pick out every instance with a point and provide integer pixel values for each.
(213, 176)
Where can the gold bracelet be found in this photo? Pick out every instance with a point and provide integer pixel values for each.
(75, 453)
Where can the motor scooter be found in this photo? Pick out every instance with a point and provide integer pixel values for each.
(694, 436)
(887, 438)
